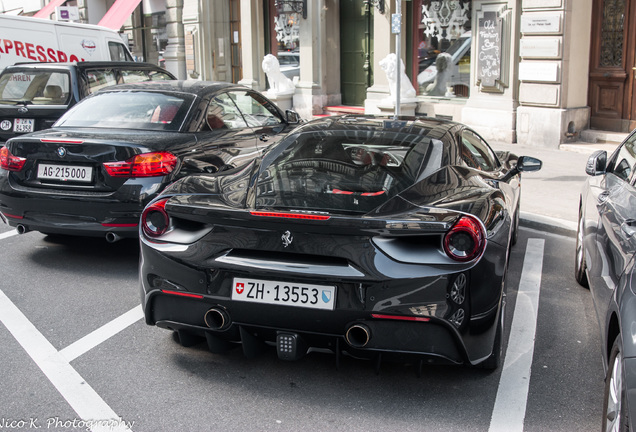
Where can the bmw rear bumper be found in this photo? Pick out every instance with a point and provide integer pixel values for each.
(82, 213)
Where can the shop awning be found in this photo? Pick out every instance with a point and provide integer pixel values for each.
(118, 13)
(47, 10)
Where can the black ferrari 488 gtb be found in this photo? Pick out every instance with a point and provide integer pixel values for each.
(380, 238)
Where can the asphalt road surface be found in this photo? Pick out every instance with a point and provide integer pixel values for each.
(75, 354)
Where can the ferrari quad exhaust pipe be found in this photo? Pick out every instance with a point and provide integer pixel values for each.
(217, 319)
(358, 335)
(111, 237)
(21, 229)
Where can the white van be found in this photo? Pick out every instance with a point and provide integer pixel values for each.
(26, 39)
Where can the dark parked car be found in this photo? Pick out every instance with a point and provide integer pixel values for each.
(605, 249)
(34, 95)
(380, 238)
(107, 157)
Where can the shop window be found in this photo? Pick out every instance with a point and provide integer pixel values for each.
(286, 27)
(442, 48)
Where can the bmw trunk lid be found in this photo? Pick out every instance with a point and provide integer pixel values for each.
(73, 160)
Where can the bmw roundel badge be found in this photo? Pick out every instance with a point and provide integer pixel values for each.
(61, 152)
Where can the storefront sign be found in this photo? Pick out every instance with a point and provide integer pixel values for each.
(533, 23)
(542, 4)
(540, 47)
(489, 49)
(541, 71)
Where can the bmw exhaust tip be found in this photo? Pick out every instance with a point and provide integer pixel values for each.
(358, 335)
(21, 229)
(111, 237)
(217, 319)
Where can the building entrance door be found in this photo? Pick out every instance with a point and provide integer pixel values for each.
(235, 41)
(356, 59)
(612, 93)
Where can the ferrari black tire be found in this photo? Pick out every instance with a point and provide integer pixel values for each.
(515, 227)
(494, 360)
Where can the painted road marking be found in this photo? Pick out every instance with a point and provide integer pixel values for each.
(103, 333)
(8, 234)
(92, 409)
(512, 396)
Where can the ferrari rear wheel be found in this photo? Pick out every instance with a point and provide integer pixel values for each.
(515, 226)
(614, 403)
(492, 362)
(579, 263)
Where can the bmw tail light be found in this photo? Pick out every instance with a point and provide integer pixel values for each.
(10, 162)
(143, 165)
(154, 219)
(466, 240)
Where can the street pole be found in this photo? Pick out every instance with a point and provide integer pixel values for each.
(396, 27)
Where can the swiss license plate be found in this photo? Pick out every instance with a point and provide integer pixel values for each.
(65, 173)
(284, 293)
(23, 125)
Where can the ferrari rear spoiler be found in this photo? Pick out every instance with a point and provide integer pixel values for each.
(421, 222)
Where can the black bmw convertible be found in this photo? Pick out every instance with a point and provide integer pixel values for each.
(93, 173)
(375, 237)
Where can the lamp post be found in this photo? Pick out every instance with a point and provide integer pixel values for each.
(396, 29)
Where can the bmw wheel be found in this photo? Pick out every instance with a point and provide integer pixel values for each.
(614, 403)
(579, 263)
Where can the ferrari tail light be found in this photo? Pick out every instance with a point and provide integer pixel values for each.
(466, 240)
(290, 215)
(143, 165)
(10, 162)
(154, 219)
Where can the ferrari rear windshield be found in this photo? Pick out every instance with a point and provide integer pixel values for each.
(346, 170)
(130, 110)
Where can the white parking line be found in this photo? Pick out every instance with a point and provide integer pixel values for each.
(512, 396)
(92, 409)
(8, 234)
(103, 333)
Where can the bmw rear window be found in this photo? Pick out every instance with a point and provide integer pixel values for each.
(142, 110)
(346, 171)
(29, 87)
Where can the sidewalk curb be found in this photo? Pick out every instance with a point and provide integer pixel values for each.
(549, 224)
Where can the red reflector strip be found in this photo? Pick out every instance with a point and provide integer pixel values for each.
(182, 294)
(61, 140)
(372, 193)
(13, 216)
(290, 215)
(341, 192)
(120, 225)
(400, 318)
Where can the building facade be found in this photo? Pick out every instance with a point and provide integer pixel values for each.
(536, 72)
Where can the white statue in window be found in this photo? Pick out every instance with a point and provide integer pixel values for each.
(407, 91)
(278, 82)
